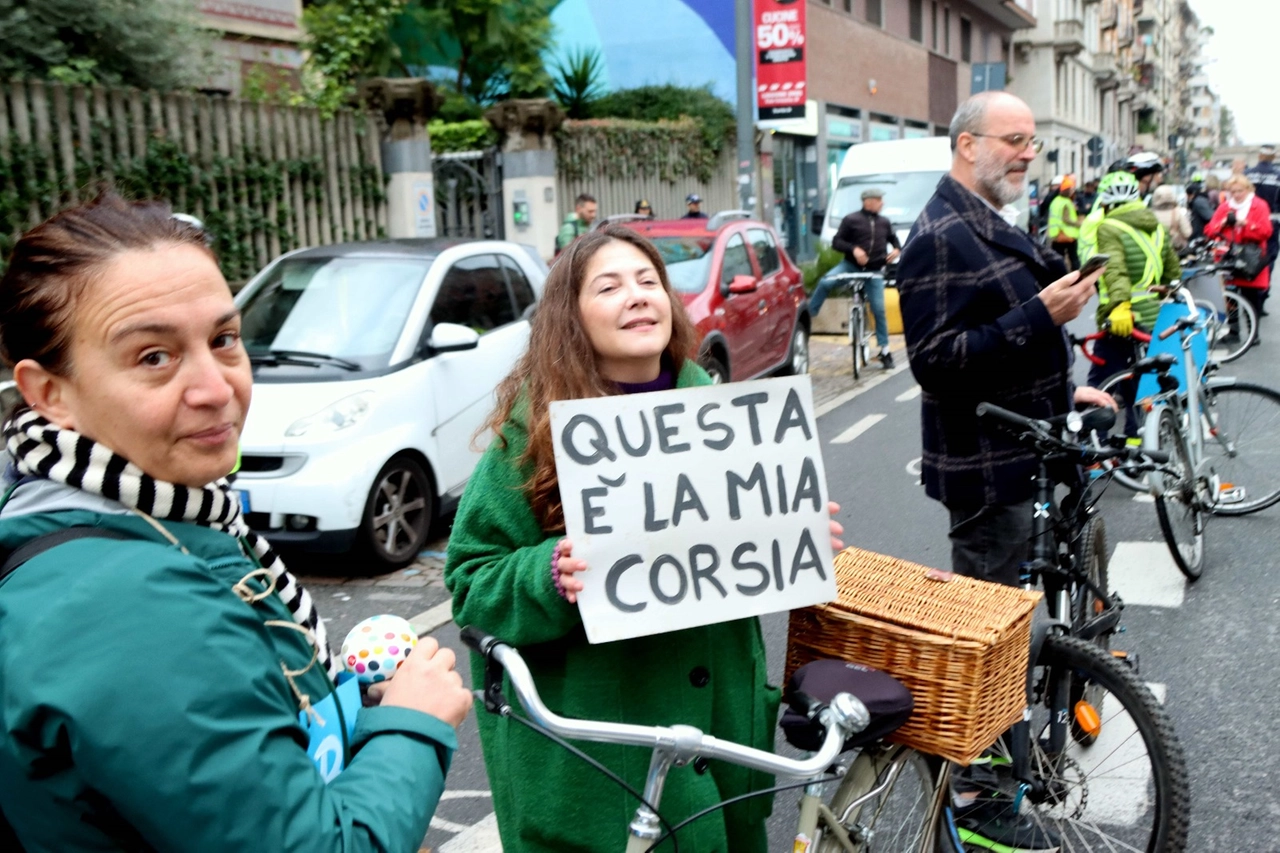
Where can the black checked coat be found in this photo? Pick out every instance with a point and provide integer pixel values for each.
(976, 332)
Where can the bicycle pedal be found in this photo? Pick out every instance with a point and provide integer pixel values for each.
(1230, 494)
(1128, 658)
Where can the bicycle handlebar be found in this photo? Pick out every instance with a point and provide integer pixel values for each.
(1043, 435)
(845, 716)
(1138, 335)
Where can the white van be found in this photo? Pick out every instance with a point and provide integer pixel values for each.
(907, 170)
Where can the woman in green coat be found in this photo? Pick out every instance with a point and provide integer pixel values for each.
(608, 323)
(165, 683)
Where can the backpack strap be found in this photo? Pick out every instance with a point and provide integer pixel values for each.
(35, 547)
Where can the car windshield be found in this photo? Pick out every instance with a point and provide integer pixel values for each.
(688, 259)
(332, 310)
(905, 194)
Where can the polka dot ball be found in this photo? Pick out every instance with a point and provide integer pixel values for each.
(376, 648)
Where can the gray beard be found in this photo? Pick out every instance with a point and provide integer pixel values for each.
(1001, 189)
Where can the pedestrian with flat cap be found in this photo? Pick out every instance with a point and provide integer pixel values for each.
(643, 208)
(864, 237)
(693, 202)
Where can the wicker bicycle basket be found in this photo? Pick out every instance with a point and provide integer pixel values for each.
(960, 645)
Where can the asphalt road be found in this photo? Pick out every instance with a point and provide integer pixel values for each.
(1208, 648)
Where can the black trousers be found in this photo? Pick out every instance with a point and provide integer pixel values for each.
(991, 542)
(1069, 253)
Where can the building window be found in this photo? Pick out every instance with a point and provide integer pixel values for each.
(875, 12)
(946, 31)
(966, 40)
(933, 25)
(848, 6)
(915, 18)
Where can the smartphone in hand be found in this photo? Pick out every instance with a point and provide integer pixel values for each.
(1095, 263)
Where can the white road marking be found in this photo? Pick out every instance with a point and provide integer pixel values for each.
(864, 387)
(1118, 772)
(910, 394)
(465, 795)
(1144, 573)
(914, 467)
(1144, 498)
(480, 838)
(857, 429)
(429, 620)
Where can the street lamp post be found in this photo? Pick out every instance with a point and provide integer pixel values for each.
(744, 48)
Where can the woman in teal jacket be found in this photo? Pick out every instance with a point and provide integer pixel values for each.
(608, 323)
(165, 683)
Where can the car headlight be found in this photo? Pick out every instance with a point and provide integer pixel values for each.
(343, 414)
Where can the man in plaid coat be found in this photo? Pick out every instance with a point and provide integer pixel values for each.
(983, 308)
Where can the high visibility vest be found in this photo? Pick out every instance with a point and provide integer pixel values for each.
(1058, 225)
(1152, 246)
(1087, 243)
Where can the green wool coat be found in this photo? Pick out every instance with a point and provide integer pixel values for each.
(713, 678)
(1127, 263)
(143, 707)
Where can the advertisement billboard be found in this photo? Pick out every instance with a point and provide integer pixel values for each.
(779, 27)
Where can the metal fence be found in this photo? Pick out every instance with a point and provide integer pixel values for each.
(468, 194)
(264, 178)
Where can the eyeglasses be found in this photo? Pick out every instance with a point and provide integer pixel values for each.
(1019, 141)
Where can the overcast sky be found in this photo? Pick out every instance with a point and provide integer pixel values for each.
(1241, 55)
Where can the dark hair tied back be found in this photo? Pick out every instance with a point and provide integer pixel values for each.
(52, 262)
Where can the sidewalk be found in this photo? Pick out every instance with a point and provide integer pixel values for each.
(831, 365)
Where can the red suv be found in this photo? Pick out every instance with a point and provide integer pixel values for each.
(741, 290)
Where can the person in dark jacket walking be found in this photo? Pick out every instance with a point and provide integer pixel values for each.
(865, 237)
(1266, 184)
(167, 683)
(1200, 207)
(983, 308)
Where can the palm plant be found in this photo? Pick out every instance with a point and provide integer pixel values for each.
(578, 81)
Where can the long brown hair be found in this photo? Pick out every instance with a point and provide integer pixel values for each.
(560, 363)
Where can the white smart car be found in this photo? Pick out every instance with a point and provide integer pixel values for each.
(374, 365)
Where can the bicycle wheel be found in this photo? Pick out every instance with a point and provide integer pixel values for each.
(857, 337)
(1237, 332)
(895, 820)
(1242, 442)
(1127, 788)
(1090, 554)
(1179, 504)
(1126, 380)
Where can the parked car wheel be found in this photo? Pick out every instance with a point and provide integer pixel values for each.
(798, 364)
(715, 369)
(399, 512)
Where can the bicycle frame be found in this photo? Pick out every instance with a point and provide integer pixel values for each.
(1186, 402)
(675, 745)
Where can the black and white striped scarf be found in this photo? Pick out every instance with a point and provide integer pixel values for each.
(41, 449)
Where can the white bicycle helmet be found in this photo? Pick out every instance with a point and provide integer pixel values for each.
(1144, 163)
(1118, 188)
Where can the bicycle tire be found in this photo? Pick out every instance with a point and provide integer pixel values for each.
(1126, 791)
(1247, 321)
(1242, 441)
(897, 819)
(1135, 484)
(856, 332)
(1090, 554)
(1177, 503)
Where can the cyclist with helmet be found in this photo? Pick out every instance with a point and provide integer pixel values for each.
(1064, 223)
(1148, 168)
(1142, 258)
(1199, 205)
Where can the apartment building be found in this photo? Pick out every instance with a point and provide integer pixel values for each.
(1120, 71)
(259, 42)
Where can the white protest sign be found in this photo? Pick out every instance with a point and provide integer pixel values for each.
(694, 506)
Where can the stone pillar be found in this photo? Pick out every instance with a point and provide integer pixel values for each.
(529, 213)
(406, 104)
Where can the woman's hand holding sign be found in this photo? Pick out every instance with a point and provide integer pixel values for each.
(566, 566)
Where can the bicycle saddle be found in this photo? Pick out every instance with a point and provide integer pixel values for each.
(1157, 363)
(886, 698)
